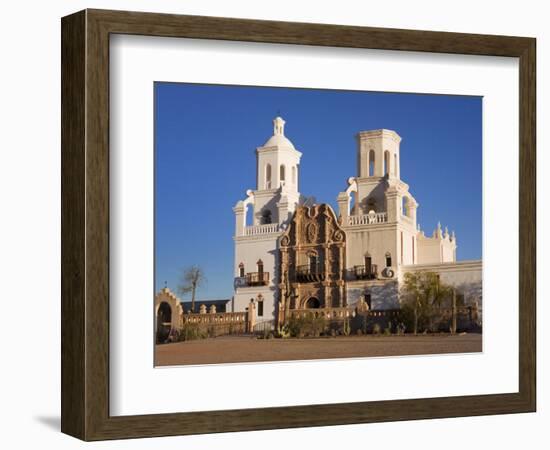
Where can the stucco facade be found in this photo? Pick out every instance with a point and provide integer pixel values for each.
(377, 220)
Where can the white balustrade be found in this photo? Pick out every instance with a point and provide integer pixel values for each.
(256, 230)
(368, 219)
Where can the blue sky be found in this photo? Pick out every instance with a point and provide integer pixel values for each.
(206, 136)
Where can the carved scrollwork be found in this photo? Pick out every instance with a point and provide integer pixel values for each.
(338, 236)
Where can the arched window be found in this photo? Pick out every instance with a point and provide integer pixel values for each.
(260, 265)
(388, 259)
(387, 163)
(313, 303)
(394, 171)
(371, 205)
(249, 220)
(371, 163)
(241, 270)
(294, 175)
(282, 174)
(268, 176)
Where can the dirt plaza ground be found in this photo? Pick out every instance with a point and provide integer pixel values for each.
(233, 349)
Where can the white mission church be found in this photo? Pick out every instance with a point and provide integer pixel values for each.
(298, 255)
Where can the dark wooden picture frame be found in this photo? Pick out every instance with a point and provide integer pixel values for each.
(85, 224)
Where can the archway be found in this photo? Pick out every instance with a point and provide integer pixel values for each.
(164, 321)
(164, 313)
(313, 303)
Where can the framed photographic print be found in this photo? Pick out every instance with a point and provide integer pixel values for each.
(270, 224)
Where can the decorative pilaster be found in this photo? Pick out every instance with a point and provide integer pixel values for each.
(240, 218)
(392, 200)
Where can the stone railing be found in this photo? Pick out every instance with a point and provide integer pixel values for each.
(257, 230)
(328, 313)
(257, 279)
(218, 324)
(368, 219)
(365, 272)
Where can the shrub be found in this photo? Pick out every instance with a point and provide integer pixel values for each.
(191, 332)
(318, 325)
(296, 326)
(376, 329)
(306, 326)
(283, 332)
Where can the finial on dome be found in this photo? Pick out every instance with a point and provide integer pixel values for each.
(278, 126)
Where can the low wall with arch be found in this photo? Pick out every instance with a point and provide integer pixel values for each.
(167, 297)
(171, 320)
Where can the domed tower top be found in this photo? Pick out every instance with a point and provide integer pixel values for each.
(279, 139)
(278, 161)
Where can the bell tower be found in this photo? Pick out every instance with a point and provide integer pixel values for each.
(377, 166)
(277, 175)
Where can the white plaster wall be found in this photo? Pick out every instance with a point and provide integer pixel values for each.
(249, 250)
(408, 237)
(243, 296)
(448, 251)
(384, 293)
(429, 251)
(466, 276)
(377, 240)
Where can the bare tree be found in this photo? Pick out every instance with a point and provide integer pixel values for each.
(191, 279)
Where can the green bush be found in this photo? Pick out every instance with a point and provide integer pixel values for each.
(283, 332)
(307, 326)
(191, 332)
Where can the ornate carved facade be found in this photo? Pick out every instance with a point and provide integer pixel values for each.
(312, 261)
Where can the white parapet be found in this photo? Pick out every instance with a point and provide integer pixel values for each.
(368, 219)
(256, 230)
